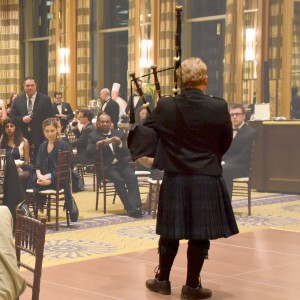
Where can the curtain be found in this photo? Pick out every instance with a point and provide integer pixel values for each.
(275, 54)
(296, 47)
(230, 52)
(10, 70)
(52, 53)
(167, 45)
(83, 53)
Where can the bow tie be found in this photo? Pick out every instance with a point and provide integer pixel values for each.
(57, 104)
(235, 129)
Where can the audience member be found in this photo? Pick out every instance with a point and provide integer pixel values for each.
(12, 283)
(46, 166)
(236, 161)
(62, 110)
(141, 115)
(85, 117)
(13, 141)
(122, 103)
(194, 130)
(3, 113)
(116, 165)
(295, 103)
(11, 102)
(136, 101)
(30, 110)
(110, 106)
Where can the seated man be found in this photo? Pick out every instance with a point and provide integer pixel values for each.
(116, 165)
(85, 117)
(236, 161)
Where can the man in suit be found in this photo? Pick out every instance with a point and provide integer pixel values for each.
(62, 110)
(236, 161)
(110, 106)
(85, 117)
(136, 101)
(30, 110)
(116, 165)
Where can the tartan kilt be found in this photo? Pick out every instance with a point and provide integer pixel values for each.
(194, 207)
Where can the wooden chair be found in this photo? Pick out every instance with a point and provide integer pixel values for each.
(55, 198)
(82, 169)
(103, 186)
(30, 239)
(242, 185)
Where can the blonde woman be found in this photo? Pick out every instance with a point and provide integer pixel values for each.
(47, 163)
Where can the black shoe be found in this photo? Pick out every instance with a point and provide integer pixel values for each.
(73, 210)
(161, 287)
(135, 213)
(195, 293)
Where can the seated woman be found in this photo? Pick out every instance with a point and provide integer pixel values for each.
(47, 163)
(13, 141)
(15, 144)
(141, 115)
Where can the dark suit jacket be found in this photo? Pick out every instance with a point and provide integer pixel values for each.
(194, 132)
(239, 152)
(148, 99)
(81, 143)
(121, 153)
(66, 110)
(112, 108)
(42, 110)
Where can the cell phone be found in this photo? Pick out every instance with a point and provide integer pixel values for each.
(48, 176)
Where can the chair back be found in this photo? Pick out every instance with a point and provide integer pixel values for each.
(63, 168)
(99, 166)
(30, 239)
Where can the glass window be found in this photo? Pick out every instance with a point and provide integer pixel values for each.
(116, 14)
(208, 43)
(205, 8)
(110, 45)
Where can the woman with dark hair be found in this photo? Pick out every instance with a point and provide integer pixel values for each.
(11, 102)
(140, 115)
(13, 141)
(47, 163)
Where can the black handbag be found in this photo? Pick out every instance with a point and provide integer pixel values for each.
(77, 182)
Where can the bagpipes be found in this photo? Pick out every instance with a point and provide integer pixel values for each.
(177, 63)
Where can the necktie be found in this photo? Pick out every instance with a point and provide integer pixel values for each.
(29, 106)
(235, 131)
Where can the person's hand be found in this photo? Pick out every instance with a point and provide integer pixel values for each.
(27, 119)
(64, 117)
(102, 143)
(116, 139)
(43, 182)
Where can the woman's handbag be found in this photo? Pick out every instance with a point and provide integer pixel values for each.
(77, 182)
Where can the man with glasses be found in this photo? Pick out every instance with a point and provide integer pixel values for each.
(236, 161)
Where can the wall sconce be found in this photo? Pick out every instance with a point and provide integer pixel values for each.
(64, 60)
(250, 44)
(145, 58)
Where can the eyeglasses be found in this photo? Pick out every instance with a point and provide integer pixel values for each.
(236, 114)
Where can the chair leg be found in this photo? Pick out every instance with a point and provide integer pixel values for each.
(97, 195)
(94, 178)
(56, 213)
(104, 198)
(249, 200)
(150, 198)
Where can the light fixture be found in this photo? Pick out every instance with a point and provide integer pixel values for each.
(250, 44)
(145, 58)
(64, 60)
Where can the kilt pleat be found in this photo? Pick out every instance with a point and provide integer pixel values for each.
(194, 207)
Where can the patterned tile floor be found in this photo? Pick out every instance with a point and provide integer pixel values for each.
(97, 235)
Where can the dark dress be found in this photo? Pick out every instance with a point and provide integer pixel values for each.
(47, 163)
(194, 132)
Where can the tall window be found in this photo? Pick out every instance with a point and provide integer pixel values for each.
(35, 17)
(205, 32)
(110, 43)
